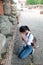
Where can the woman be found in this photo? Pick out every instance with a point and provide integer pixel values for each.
(27, 37)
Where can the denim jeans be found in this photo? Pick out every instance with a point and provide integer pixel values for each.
(25, 51)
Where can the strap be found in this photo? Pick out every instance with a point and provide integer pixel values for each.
(29, 35)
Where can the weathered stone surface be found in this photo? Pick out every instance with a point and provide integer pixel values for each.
(6, 27)
(7, 9)
(13, 16)
(13, 9)
(5, 0)
(3, 18)
(2, 42)
(12, 2)
(11, 19)
(14, 13)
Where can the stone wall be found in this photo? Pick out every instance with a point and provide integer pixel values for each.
(8, 27)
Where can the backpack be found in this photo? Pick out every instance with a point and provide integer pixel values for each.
(34, 42)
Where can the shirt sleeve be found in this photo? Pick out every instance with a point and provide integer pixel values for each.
(30, 40)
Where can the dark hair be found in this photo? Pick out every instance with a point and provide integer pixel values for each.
(24, 28)
(27, 28)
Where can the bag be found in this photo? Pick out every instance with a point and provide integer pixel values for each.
(34, 42)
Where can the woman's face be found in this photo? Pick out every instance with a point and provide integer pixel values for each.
(23, 33)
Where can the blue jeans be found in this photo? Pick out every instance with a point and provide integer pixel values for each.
(25, 51)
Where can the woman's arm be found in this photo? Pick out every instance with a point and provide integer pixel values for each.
(23, 38)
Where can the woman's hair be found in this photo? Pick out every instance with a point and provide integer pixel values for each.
(27, 28)
(24, 28)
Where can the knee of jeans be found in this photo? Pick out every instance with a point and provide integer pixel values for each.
(19, 56)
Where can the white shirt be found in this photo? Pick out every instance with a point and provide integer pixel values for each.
(29, 39)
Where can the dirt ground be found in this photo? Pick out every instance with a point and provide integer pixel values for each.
(34, 20)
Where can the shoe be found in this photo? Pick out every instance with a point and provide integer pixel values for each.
(33, 51)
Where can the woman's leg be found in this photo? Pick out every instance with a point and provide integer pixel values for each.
(26, 52)
(21, 51)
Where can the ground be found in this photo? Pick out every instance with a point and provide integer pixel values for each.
(34, 20)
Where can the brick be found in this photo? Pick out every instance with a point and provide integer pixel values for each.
(1, 8)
